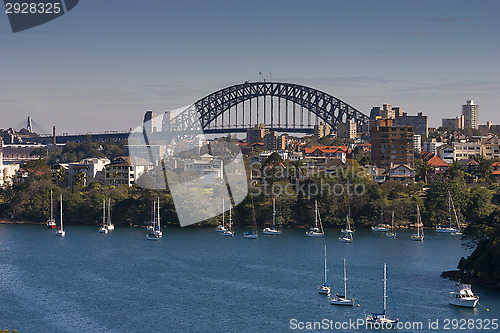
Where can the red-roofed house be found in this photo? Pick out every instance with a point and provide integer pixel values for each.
(438, 164)
(496, 170)
(337, 152)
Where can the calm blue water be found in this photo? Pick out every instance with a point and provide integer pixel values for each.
(197, 280)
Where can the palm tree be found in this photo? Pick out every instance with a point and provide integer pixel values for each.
(423, 170)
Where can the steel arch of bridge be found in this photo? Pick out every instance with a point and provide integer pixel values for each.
(325, 106)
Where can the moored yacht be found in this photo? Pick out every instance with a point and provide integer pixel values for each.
(317, 230)
(272, 230)
(60, 232)
(51, 223)
(463, 296)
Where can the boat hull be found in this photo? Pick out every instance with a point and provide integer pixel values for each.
(465, 303)
(417, 238)
(345, 240)
(324, 290)
(314, 234)
(250, 236)
(269, 231)
(447, 230)
(342, 301)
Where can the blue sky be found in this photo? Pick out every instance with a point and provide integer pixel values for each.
(101, 65)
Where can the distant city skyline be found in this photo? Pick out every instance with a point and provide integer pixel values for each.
(100, 66)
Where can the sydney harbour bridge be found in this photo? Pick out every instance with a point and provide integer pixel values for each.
(282, 107)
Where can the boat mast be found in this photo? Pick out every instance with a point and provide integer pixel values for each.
(103, 211)
(381, 216)
(449, 209)
(274, 213)
(345, 281)
(158, 208)
(61, 213)
(51, 210)
(109, 210)
(385, 287)
(316, 213)
(230, 221)
(455, 212)
(418, 221)
(326, 275)
(222, 212)
(392, 223)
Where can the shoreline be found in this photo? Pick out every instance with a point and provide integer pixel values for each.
(461, 276)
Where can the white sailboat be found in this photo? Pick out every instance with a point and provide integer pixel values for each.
(381, 226)
(272, 230)
(229, 232)
(381, 318)
(348, 229)
(325, 288)
(463, 296)
(419, 236)
(346, 238)
(103, 229)
(252, 234)
(343, 299)
(109, 225)
(60, 232)
(156, 233)
(221, 227)
(316, 231)
(448, 228)
(51, 223)
(391, 234)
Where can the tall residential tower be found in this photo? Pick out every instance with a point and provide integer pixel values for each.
(469, 111)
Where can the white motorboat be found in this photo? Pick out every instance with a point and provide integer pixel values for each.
(463, 296)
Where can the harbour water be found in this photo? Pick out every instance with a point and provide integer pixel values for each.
(197, 280)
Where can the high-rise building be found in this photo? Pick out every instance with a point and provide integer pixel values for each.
(166, 125)
(418, 122)
(453, 123)
(149, 122)
(417, 143)
(347, 129)
(273, 141)
(321, 130)
(470, 113)
(391, 144)
(257, 133)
